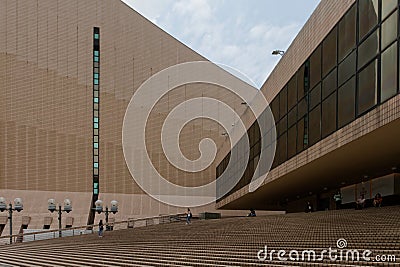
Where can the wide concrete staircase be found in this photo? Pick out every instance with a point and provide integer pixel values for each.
(225, 242)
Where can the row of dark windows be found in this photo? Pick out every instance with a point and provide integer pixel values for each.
(354, 69)
(96, 100)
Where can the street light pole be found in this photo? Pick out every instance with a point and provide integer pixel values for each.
(59, 220)
(99, 209)
(10, 211)
(18, 206)
(107, 215)
(52, 207)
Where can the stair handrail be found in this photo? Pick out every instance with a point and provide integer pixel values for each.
(91, 227)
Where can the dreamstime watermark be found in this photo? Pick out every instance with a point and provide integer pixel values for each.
(149, 94)
(340, 253)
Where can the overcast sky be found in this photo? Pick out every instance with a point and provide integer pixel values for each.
(238, 33)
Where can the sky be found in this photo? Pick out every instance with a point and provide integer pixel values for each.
(238, 33)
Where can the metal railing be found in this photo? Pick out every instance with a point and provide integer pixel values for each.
(93, 228)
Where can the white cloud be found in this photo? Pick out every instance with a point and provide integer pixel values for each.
(197, 10)
(257, 31)
(237, 33)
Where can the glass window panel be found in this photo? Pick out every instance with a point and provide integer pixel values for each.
(368, 49)
(301, 135)
(315, 96)
(315, 67)
(96, 131)
(96, 75)
(96, 125)
(292, 116)
(257, 148)
(275, 108)
(368, 10)
(329, 84)
(252, 153)
(387, 7)
(347, 102)
(300, 82)
(315, 125)
(251, 167)
(96, 87)
(257, 133)
(329, 52)
(96, 36)
(276, 157)
(96, 81)
(292, 92)
(96, 165)
(95, 185)
(302, 108)
(282, 126)
(255, 161)
(96, 191)
(96, 53)
(347, 33)
(96, 64)
(283, 102)
(266, 141)
(96, 145)
(250, 133)
(367, 84)
(267, 124)
(389, 30)
(96, 100)
(96, 106)
(95, 152)
(282, 148)
(96, 139)
(96, 59)
(347, 68)
(95, 93)
(328, 121)
(389, 72)
(291, 144)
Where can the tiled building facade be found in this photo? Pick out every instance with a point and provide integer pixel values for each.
(68, 70)
(333, 90)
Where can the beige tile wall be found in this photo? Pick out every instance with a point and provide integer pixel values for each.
(46, 100)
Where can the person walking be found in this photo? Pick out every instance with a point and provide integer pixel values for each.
(101, 228)
(188, 216)
(309, 207)
(338, 200)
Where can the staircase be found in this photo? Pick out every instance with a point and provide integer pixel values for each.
(224, 242)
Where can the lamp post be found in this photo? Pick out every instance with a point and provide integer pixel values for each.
(18, 206)
(52, 207)
(278, 52)
(99, 209)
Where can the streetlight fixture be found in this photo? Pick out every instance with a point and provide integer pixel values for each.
(18, 206)
(52, 207)
(99, 209)
(278, 52)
